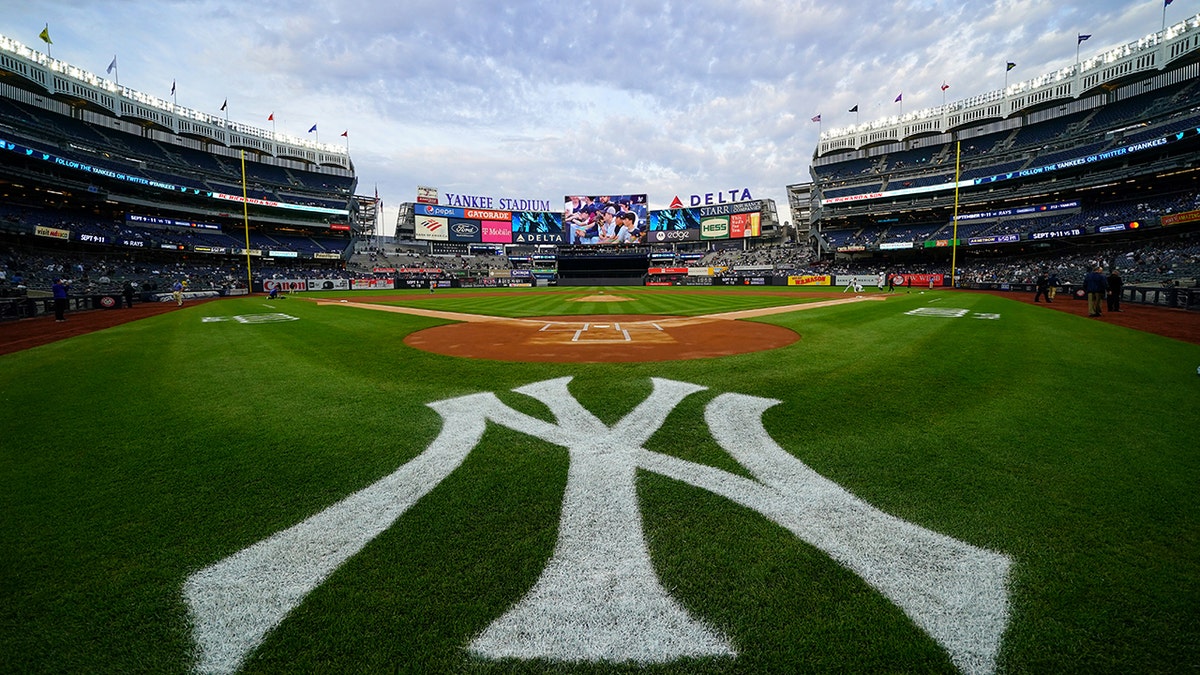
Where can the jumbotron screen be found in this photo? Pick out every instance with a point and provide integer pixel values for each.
(589, 221)
(727, 221)
(448, 223)
(605, 219)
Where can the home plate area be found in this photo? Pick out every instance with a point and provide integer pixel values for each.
(602, 332)
(600, 339)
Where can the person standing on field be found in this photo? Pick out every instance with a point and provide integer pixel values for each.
(1043, 288)
(177, 291)
(60, 300)
(1115, 283)
(1095, 285)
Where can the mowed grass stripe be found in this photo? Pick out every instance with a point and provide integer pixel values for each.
(134, 456)
(570, 301)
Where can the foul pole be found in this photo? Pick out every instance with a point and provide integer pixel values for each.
(954, 235)
(246, 223)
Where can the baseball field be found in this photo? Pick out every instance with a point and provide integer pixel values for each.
(924, 482)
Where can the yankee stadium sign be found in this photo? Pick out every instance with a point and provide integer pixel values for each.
(503, 203)
(599, 598)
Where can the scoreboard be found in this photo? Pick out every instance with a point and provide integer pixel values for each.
(434, 222)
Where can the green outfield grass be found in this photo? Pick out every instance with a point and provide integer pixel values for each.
(133, 457)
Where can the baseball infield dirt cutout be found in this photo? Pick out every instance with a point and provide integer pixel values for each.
(618, 338)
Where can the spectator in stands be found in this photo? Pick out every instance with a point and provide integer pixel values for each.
(1114, 290)
(1095, 285)
(60, 300)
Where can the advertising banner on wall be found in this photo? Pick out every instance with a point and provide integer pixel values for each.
(285, 285)
(427, 195)
(537, 227)
(432, 228)
(328, 284)
(372, 284)
(993, 239)
(742, 225)
(52, 232)
(810, 280)
(1179, 218)
(496, 231)
(858, 279)
(463, 230)
(918, 279)
(715, 227)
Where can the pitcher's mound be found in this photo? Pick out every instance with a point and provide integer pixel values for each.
(601, 339)
(602, 298)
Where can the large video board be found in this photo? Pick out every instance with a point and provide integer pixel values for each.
(449, 223)
(727, 221)
(589, 221)
(605, 219)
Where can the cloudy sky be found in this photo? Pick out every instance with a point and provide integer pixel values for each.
(536, 100)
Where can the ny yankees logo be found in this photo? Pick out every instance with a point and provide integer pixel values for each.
(598, 598)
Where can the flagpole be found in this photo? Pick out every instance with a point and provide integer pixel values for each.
(45, 34)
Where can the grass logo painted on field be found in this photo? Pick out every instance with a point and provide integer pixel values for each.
(598, 598)
(950, 313)
(251, 318)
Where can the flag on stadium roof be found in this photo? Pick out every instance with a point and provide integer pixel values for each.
(346, 133)
(816, 118)
(1167, 2)
(1009, 66)
(945, 86)
(314, 128)
(172, 87)
(899, 97)
(854, 109)
(112, 65)
(45, 34)
(1082, 37)
(225, 104)
(271, 117)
